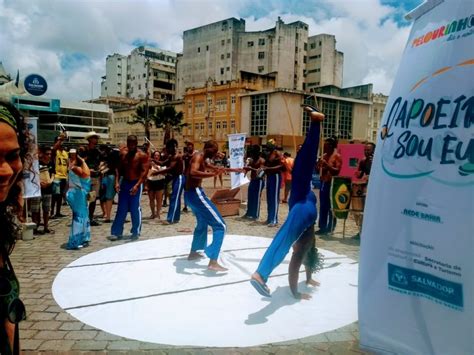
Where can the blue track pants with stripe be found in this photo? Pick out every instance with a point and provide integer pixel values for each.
(174, 211)
(206, 214)
(273, 197)
(128, 203)
(302, 205)
(254, 197)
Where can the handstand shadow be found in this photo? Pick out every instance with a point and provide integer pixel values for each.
(281, 297)
(183, 264)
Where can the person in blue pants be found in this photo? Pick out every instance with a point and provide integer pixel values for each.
(273, 168)
(176, 170)
(131, 173)
(205, 211)
(298, 229)
(256, 185)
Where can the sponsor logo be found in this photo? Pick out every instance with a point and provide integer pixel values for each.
(465, 25)
(425, 285)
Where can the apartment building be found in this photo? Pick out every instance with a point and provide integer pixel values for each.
(146, 71)
(324, 65)
(218, 52)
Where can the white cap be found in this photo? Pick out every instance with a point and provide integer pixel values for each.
(72, 151)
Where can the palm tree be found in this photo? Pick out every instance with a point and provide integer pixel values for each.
(169, 120)
(141, 117)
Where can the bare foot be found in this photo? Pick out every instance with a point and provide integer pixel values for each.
(194, 255)
(152, 216)
(214, 266)
(312, 282)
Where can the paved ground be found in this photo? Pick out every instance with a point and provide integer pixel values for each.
(49, 329)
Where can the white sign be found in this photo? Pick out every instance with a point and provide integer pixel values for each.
(416, 280)
(31, 180)
(236, 158)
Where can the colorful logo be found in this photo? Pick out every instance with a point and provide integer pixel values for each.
(428, 132)
(453, 27)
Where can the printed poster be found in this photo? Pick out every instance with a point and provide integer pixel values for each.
(236, 158)
(416, 278)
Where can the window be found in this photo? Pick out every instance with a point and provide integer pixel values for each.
(222, 71)
(207, 48)
(261, 68)
(309, 100)
(317, 70)
(312, 45)
(228, 40)
(209, 125)
(218, 125)
(221, 104)
(227, 69)
(305, 46)
(232, 104)
(261, 55)
(329, 109)
(224, 125)
(222, 56)
(228, 55)
(223, 42)
(232, 124)
(315, 56)
(250, 44)
(199, 107)
(258, 115)
(375, 114)
(196, 126)
(144, 75)
(261, 41)
(345, 120)
(305, 59)
(320, 43)
(190, 108)
(199, 49)
(201, 126)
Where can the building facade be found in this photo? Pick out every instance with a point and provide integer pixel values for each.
(378, 106)
(78, 118)
(219, 51)
(120, 127)
(324, 65)
(213, 111)
(144, 72)
(277, 114)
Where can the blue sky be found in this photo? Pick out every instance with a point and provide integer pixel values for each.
(67, 41)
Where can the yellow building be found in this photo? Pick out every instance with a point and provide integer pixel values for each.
(124, 111)
(214, 111)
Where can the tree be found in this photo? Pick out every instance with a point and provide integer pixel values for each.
(141, 117)
(169, 120)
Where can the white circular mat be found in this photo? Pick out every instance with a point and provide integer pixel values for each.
(149, 291)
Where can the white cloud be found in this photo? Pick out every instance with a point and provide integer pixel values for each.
(36, 35)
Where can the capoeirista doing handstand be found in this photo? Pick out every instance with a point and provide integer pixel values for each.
(298, 229)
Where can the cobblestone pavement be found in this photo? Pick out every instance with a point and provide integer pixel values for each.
(49, 329)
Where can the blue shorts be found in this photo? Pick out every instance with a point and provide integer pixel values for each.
(108, 188)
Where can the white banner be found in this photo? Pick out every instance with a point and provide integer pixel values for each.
(416, 278)
(236, 158)
(31, 181)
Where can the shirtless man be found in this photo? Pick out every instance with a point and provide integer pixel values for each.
(329, 165)
(205, 211)
(132, 168)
